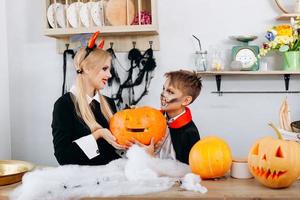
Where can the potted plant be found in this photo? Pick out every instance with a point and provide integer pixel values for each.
(286, 39)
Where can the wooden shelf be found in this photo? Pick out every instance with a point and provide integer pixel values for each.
(288, 16)
(213, 73)
(218, 75)
(104, 31)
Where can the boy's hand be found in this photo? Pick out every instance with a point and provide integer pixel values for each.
(148, 148)
(160, 143)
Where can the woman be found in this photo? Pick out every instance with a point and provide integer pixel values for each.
(81, 116)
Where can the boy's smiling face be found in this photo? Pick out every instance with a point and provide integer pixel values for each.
(172, 98)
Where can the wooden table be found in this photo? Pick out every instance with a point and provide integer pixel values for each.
(227, 188)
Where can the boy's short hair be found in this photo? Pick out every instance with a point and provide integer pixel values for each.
(188, 82)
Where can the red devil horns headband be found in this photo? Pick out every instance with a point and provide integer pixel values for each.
(91, 44)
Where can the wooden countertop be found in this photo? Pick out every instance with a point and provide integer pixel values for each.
(227, 188)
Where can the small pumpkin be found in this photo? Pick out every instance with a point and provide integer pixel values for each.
(141, 123)
(274, 162)
(210, 157)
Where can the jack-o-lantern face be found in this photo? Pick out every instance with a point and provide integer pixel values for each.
(139, 123)
(275, 163)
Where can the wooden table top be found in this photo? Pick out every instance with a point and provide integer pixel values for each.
(227, 188)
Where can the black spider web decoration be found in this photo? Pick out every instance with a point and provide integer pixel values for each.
(141, 64)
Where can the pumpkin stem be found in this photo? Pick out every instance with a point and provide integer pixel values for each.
(279, 135)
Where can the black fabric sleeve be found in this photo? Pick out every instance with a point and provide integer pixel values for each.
(192, 137)
(66, 151)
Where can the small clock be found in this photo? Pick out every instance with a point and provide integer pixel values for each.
(246, 54)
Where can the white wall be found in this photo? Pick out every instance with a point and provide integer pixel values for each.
(5, 144)
(35, 77)
(35, 73)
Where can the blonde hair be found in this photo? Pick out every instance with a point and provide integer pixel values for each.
(96, 58)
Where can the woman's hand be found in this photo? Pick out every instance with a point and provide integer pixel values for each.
(107, 135)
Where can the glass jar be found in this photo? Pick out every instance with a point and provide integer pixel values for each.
(216, 59)
(201, 60)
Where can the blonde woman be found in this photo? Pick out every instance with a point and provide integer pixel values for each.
(81, 116)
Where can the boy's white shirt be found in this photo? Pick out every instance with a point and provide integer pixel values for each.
(167, 151)
(88, 144)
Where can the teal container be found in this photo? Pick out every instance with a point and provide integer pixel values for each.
(291, 61)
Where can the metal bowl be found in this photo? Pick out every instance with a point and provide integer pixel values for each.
(12, 171)
(295, 126)
(243, 38)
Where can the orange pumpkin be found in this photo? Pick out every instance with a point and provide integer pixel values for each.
(275, 163)
(141, 123)
(210, 157)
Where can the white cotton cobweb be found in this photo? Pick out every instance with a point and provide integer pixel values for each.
(142, 166)
(191, 182)
(139, 174)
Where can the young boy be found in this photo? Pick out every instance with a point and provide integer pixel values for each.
(180, 89)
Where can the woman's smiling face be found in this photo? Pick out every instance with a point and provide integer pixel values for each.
(99, 75)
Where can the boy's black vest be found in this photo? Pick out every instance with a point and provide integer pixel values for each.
(184, 134)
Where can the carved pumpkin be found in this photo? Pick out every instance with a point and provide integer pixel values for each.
(140, 123)
(210, 157)
(275, 163)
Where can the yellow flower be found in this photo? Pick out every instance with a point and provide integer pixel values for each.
(263, 52)
(284, 30)
(273, 44)
(283, 40)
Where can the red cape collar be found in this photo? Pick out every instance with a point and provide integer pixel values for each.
(181, 121)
